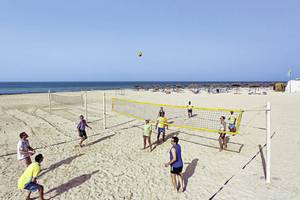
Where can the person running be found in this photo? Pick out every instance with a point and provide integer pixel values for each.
(190, 109)
(161, 125)
(222, 139)
(161, 111)
(176, 164)
(24, 150)
(147, 134)
(28, 179)
(231, 124)
(81, 129)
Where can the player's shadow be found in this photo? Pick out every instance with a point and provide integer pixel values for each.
(127, 122)
(189, 171)
(75, 182)
(168, 136)
(100, 139)
(66, 161)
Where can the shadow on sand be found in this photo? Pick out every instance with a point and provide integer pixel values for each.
(75, 182)
(189, 171)
(66, 161)
(168, 136)
(99, 140)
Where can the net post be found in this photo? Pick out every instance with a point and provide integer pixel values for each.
(49, 97)
(86, 113)
(104, 111)
(268, 134)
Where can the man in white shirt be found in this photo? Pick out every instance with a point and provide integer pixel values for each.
(24, 150)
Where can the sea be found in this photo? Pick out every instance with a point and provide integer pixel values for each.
(43, 87)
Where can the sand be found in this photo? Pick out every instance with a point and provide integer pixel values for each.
(113, 166)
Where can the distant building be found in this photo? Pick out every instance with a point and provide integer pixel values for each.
(293, 86)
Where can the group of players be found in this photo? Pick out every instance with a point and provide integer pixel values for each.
(28, 179)
(24, 151)
(175, 162)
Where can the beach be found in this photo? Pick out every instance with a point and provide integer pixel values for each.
(113, 165)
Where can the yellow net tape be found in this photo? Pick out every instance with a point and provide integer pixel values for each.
(203, 119)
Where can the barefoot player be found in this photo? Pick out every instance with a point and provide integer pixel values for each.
(81, 129)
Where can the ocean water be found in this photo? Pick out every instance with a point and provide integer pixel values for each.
(43, 87)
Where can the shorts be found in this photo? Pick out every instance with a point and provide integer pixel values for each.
(232, 127)
(82, 134)
(161, 130)
(176, 170)
(31, 186)
(190, 110)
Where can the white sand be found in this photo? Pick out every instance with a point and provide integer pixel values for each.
(113, 166)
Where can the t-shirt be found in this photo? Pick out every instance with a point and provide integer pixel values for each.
(189, 107)
(32, 171)
(81, 125)
(147, 129)
(232, 119)
(162, 122)
(23, 145)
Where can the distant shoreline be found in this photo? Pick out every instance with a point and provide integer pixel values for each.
(12, 88)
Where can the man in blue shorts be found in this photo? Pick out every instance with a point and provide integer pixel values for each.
(28, 179)
(161, 125)
(232, 121)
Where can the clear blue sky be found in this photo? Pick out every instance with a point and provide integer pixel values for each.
(182, 40)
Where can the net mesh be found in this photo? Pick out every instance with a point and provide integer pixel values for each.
(68, 100)
(203, 119)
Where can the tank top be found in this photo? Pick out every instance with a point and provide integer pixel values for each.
(178, 163)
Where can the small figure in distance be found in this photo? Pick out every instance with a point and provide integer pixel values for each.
(161, 112)
(81, 129)
(231, 124)
(222, 139)
(190, 109)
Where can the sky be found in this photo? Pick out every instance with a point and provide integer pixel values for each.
(181, 40)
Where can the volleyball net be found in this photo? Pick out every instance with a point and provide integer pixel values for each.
(203, 119)
(67, 99)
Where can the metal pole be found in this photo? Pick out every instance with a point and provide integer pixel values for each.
(290, 80)
(49, 97)
(86, 104)
(268, 165)
(104, 111)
